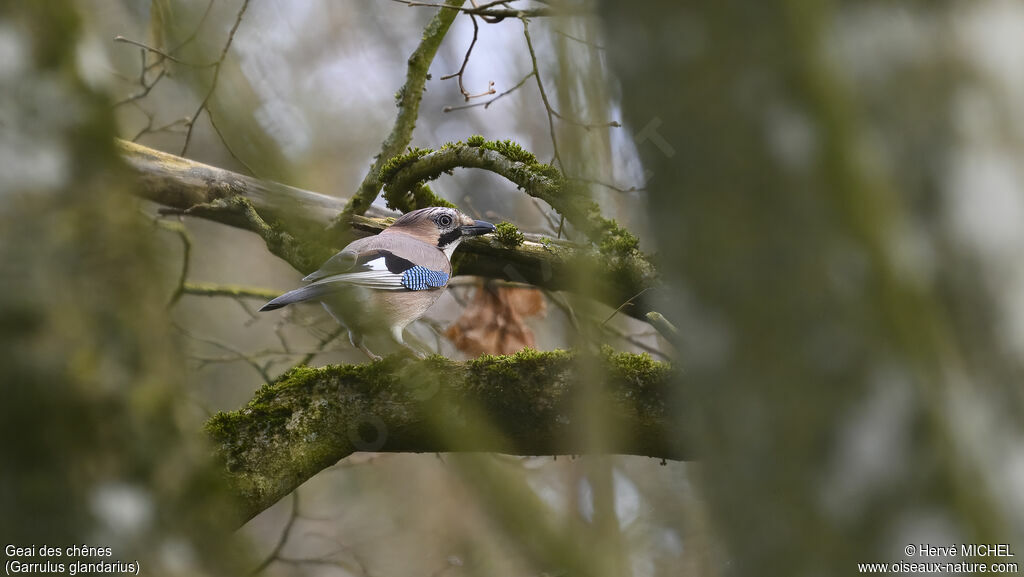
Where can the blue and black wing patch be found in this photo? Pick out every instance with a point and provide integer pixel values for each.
(378, 269)
(419, 278)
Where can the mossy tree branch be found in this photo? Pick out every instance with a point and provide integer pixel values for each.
(408, 102)
(630, 271)
(523, 404)
(292, 221)
(403, 177)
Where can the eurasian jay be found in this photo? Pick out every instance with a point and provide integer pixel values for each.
(391, 279)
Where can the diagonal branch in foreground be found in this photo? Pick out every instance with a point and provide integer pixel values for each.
(408, 102)
(525, 404)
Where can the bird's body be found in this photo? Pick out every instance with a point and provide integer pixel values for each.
(389, 280)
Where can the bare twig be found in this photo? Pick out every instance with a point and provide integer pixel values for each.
(543, 95)
(239, 211)
(150, 129)
(580, 40)
(408, 102)
(248, 358)
(488, 103)
(462, 69)
(606, 184)
(216, 75)
(333, 335)
(553, 223)
(584, 124)
(147, 87)
(159, 52)
(283, 539)
(629, 302)
(195, 31)
(186, 248)
(552, 113)
(634, 340)
(209, 114)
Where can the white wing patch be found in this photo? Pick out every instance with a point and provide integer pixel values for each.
(377, 264)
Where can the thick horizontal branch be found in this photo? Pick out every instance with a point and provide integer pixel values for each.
(213, 193)
(525, 404)
(182, 183)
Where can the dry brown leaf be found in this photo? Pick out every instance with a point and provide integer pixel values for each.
(493, 323)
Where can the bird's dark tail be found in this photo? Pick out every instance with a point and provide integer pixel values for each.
(306, 293)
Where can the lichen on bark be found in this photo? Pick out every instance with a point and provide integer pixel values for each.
(309, 418)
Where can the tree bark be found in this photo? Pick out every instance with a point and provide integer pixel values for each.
(524, 404)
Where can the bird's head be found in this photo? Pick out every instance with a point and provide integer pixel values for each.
(440, 226)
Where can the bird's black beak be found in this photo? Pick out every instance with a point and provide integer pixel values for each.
(478, 228)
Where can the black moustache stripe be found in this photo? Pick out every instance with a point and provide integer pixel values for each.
(449, 237)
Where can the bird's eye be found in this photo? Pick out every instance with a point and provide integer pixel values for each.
(444, 220)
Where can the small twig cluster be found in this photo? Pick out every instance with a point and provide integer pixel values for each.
(152, 72)
(462, 69)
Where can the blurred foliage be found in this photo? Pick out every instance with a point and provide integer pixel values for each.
(797, 209)
(98, 446)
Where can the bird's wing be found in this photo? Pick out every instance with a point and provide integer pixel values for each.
(377, 269)
(397, 264)
(401, 252)
(386, 271)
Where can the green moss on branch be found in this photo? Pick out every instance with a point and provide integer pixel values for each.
(617, 250)
(521, 404)
(403, 174)
(507, 234)
(303, 253)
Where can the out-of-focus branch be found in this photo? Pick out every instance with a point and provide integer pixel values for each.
(461, 74)
(231, 291)
(543, 94)
(182, 183)
(663, 326)
(408, 101)
(520, 404)
(487, 103)
(216, 75)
